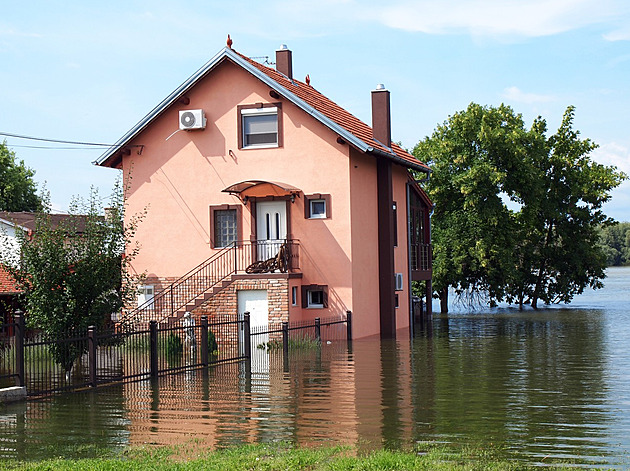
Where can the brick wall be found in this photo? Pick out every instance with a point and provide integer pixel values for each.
(224, 305)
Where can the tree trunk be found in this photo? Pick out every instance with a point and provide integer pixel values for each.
(444, 300)
(543, 266)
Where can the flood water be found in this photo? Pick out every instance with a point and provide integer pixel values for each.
(543, 387)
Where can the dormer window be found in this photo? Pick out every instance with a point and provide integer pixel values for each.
(260, 126)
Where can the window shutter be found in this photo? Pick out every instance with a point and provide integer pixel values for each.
(304, 296)
(325, 295)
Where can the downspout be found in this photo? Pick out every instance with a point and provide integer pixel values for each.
(412, 325)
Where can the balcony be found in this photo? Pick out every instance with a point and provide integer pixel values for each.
(420, 261)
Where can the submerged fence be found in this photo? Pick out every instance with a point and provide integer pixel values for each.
(95, 358)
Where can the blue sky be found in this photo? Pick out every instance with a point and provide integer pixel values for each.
(88, 71)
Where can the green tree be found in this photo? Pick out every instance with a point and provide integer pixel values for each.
(477, 157)
(516, 212)
(76, 273)
(615, 242)
(564, 212)
(18, 191)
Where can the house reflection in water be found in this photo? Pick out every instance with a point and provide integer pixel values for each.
(327, 396)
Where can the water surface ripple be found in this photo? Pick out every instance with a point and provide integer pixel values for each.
(542, 387)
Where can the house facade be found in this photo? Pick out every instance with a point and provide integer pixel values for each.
(263, 195)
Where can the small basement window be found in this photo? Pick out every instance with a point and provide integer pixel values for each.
(315, 296)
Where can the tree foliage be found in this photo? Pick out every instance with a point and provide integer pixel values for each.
(615, 242)
(75, 273)
(18, 191)
(516, 211)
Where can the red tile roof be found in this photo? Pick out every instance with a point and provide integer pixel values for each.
(28, 220)
(333, 111)
(7, 283)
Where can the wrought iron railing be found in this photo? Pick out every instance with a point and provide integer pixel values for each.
(211, 276)
(420, 257)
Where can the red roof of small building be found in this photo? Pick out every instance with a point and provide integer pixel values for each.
(7, 283)
(28, 220)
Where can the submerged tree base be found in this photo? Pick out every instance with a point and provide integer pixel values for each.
(287, 457)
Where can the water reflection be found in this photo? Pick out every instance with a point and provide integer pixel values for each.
(545, 386)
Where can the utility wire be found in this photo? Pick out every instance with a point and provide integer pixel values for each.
(20, 136)
(55, 148)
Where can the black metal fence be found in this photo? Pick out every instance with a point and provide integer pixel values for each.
(8, 359)
(28, 358)
(98, 358)
(268, 341)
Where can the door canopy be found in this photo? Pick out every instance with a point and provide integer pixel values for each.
(260, 189)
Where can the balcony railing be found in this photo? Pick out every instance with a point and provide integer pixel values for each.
(420, 257)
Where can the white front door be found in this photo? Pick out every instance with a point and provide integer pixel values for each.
(254, 301)
(271, 227)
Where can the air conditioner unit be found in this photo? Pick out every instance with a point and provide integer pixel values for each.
(192, 119)
(399, 281)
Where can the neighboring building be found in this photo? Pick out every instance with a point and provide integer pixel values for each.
(9, 246)
(11, 223)
(267, 169)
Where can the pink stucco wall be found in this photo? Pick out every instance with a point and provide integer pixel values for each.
(179, 176)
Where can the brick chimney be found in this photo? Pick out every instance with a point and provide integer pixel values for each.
(284, 61)
(381, 120)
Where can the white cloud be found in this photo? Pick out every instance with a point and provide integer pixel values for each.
(622, 34)
(618, 155)
(613, 154)
(12, 32)
(514, 94)
(525, 18)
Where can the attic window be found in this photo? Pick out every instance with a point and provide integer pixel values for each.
(260, 125)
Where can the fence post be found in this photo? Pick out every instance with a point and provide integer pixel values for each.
(318, 329)
(204, 342)
(285, 338)
(92, 355)
(349, 324)
(247, 340)
(20, 331)
(285, 346)
(154, 348)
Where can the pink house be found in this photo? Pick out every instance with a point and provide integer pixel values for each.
(265, 196)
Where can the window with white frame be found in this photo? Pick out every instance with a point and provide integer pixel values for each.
(294, 295)
(317, 209)
(317, 206)
(259, 127)
(315, 296)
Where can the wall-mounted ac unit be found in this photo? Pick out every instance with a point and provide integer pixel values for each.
(399, 281)
(192, 119)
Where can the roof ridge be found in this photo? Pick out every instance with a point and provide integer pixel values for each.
(339, 114)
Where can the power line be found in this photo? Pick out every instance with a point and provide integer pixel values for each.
(59, 141)
(55, 148)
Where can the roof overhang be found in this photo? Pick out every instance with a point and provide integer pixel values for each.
(111, 157)
(260, 189)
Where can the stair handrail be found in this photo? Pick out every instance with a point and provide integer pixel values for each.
(130, 317)
(232, 267)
